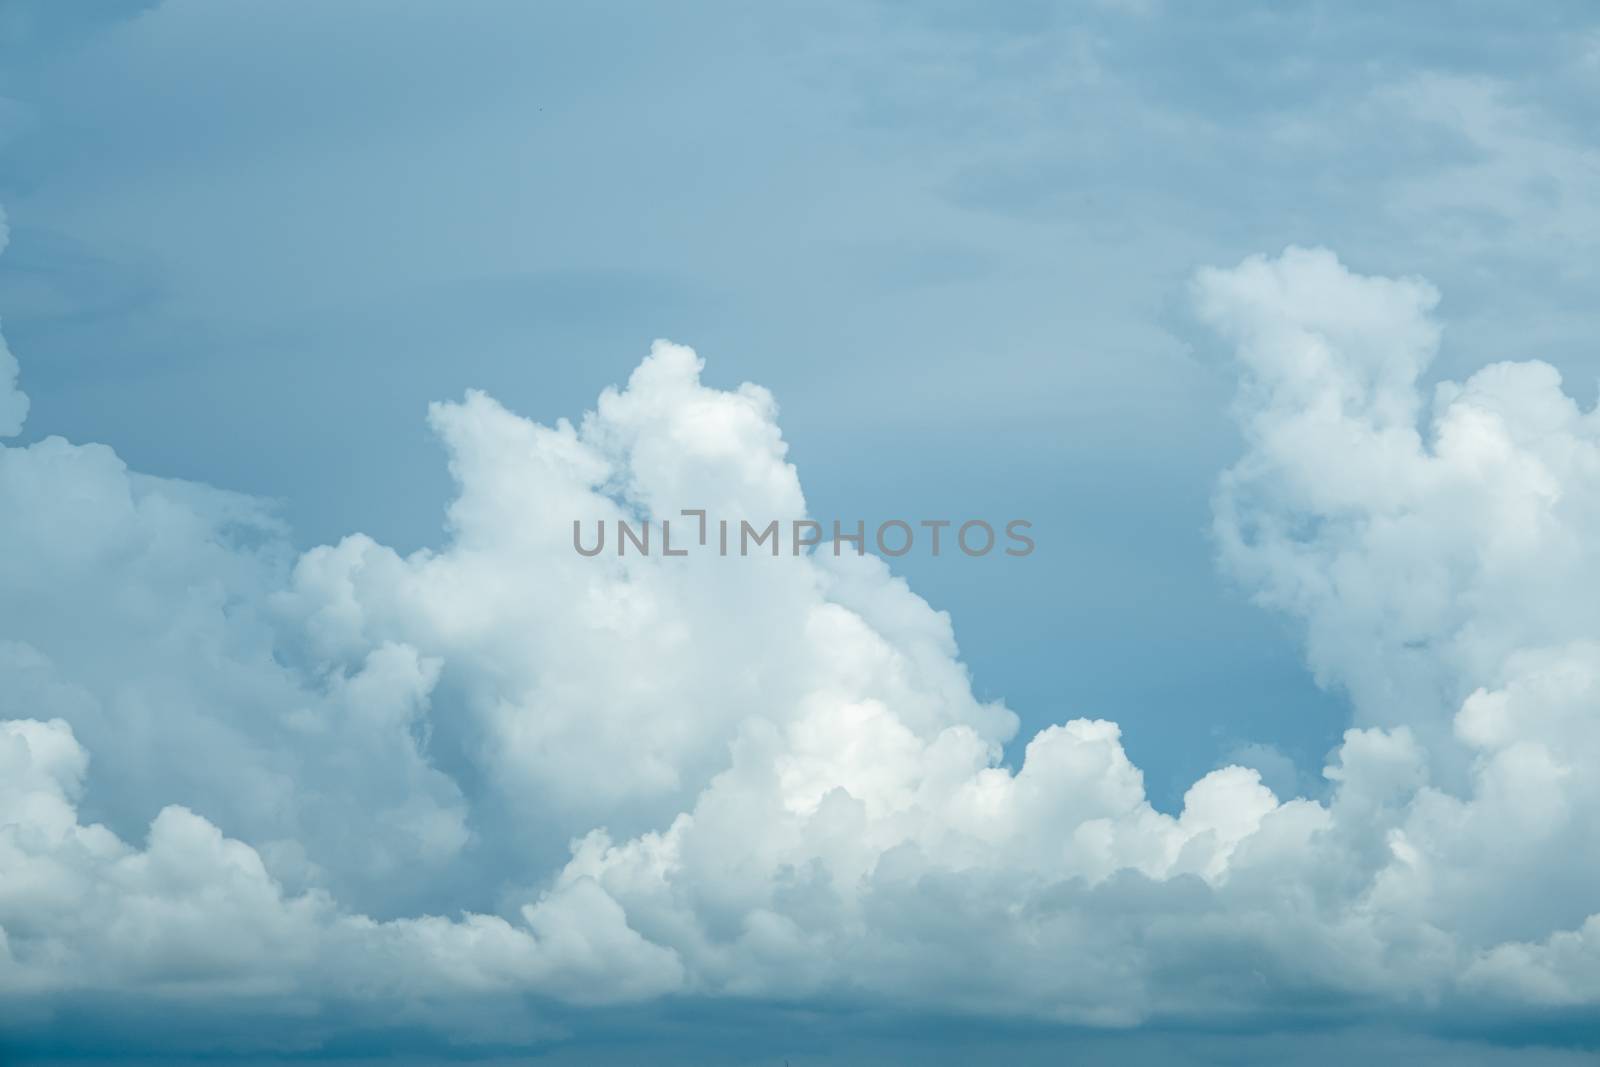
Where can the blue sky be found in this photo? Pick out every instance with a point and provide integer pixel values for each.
(251, 243)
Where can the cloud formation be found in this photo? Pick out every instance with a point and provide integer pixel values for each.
(460, 779)
(13, 401)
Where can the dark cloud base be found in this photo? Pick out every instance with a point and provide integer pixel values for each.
(706, 1034)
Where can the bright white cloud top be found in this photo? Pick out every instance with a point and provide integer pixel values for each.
(274, 785)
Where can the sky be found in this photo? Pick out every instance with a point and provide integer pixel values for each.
(1274, 321)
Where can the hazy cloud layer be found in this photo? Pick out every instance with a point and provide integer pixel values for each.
(13, 401)
(351, 785)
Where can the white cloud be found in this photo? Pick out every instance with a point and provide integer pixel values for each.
(628, 777)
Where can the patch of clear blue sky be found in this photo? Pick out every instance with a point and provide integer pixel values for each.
(251, 241)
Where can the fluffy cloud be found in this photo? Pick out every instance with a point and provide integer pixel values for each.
(502, 770)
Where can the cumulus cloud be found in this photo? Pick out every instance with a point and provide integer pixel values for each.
(500, 770)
